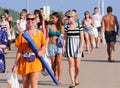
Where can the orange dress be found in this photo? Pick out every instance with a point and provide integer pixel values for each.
(29, 67)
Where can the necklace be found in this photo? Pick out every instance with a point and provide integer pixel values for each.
(31, 34)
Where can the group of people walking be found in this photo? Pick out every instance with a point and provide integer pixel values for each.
(60, 37)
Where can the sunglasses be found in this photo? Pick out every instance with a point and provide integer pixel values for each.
(30, 19)
(69, 16)
(21, 15)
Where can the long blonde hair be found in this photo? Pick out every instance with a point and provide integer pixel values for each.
(74, 14)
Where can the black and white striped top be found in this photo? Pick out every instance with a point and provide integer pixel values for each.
(73, 33)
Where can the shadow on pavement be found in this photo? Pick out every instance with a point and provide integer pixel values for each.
(115, 61)
(50, 83)
(3, 80)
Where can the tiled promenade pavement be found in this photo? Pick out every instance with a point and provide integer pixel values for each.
(96, 71)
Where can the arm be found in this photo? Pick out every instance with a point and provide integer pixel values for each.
(82, 40)
(42, 50)
(47, 33)
(117, 25)
(43, 44)
(3, 46)
(18, 54)
(82, 22)
(10, 19)
(92, 22)
(64, 43)
(8, 27)
(102, 27)
(43, 26)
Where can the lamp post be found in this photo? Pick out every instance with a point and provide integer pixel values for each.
(46, 10)
(46, 2)
(27, 5)
(102, 7)
(99, 5)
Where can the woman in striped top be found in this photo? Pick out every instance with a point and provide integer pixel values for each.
(73, 47)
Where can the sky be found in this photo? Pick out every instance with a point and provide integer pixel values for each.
(62, 5)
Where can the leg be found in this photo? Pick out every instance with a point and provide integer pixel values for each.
(87, 41)
(108, 50)
(34, 79)
(91, 36)
(77, 70)
(52, 53)
(26, 81)
(112, 49)
(53, 61)
(71, 69)
(98, 41)
(59, 65)
(9, 44)
(98, 37)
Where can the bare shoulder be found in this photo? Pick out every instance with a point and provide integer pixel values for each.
(10, 18)
(83, 21)
(104, 16)
(115, 16)
(108, 16)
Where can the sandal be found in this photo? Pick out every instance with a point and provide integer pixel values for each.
(110, 60)
(77, 84)
(72, 86)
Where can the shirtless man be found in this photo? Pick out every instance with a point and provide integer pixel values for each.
(109, 22)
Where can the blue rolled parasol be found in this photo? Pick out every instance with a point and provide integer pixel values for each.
(34, 48)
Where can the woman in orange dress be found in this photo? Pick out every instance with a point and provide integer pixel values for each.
(29, 70)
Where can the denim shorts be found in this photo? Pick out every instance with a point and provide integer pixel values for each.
(53, 50)
(89, 31)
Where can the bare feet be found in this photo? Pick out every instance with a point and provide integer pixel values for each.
(87, 51)
(92, 51)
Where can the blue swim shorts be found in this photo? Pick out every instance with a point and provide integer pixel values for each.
(53, 50)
